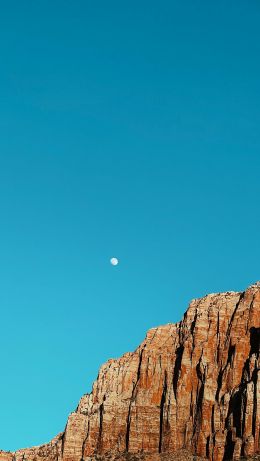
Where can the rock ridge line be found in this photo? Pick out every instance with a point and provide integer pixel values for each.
(193, 385)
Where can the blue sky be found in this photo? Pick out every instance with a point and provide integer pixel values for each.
(128, 129)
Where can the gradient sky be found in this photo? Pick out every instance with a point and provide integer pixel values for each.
(128, 129)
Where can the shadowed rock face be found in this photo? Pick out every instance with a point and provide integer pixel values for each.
(193, 385)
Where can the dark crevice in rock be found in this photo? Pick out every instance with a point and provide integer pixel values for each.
(243, 449)
(219, 382)
(128, 424)
(101, 412)
(162, 411)
(238, 402)
(246, 378)
(128, 421)
(255, 341)
(207, 446)
(218, 324)
(193, 323)
(139, 368)
(254, 378)
(212, 419)
(231, 353)
(177, 368)
(235, 405)
(192, 328)
(63, 440)
(249, 312)
(198, 413)
(233, 315)
(199, 402)
(214, 440)
(243, 411)
(198, 371)
(218, 346)
(84, 443)
(229, 447)
(245, 373)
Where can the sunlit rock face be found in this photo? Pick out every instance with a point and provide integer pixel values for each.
(192, 386)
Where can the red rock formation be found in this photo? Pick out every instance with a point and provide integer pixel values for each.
(192, 385)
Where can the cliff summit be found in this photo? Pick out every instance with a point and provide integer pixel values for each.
(192, 387)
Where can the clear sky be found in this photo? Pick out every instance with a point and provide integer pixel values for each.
(128, 129)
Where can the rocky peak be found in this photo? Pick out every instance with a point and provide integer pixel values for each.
(255, 285)
(193, 385)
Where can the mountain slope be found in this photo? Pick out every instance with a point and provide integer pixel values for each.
(193, 385)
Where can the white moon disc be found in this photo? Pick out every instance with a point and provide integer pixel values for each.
(114, 261)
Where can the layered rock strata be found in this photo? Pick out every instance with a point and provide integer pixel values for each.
(193, 385)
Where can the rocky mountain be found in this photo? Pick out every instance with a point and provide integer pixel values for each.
(191, 389)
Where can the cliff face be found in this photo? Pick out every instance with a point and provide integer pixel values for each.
(193, 385)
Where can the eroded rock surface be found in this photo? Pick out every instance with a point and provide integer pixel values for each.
(193, 385)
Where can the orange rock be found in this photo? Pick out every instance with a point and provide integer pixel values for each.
(193, 385)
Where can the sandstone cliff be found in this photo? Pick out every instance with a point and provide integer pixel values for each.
(193, 385)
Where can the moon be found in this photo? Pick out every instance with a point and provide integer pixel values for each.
(114, 261)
